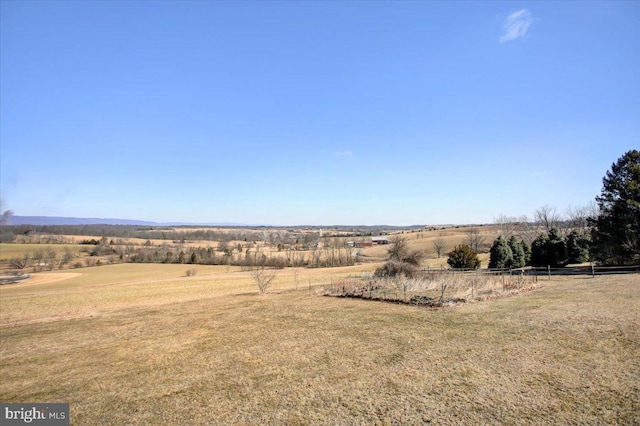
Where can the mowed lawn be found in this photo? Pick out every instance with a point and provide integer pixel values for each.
(144, 344)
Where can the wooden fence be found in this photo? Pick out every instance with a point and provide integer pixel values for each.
(591, 270)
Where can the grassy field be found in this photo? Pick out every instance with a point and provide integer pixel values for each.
(144, 344)
(11, 250)
(424, 240)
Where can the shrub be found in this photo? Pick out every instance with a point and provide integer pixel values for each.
(263, 278)
(401, 252)
(462, 257)
(392, 268)
(190, 272)
(20, 263)
(401, 260)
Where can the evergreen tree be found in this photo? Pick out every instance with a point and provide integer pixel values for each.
(578, 247)
(462, 257)
(518, 253)
(557, 248)
(549, 249)
(616, 230)
(526, 248)
(539, 250)
(500, 255)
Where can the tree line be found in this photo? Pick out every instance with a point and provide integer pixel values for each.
(606, 232)
(104, 251)
(548, 249)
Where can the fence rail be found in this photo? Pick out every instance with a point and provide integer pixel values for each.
(592, 270)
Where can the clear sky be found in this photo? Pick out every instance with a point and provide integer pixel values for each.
(313, 112)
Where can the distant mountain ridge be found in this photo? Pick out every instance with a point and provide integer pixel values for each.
(62, 220)
(59, 220)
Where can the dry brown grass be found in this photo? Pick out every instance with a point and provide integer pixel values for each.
(423, 241)
(439, 286)
(101, 290)
(11, 250)
(165, 349)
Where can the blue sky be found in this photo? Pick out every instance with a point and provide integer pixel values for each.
(313, 112)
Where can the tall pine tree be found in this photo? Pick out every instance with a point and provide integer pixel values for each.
(616, 230)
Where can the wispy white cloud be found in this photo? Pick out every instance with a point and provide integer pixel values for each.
(516, 25)
(342, 154)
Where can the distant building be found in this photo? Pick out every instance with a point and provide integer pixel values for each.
(380, 240)
(366, 243)
(359, 244)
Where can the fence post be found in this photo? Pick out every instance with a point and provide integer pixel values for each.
(549, 271)
(593, 271)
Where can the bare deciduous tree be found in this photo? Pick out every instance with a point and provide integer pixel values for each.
(401, 252)
(398, 249)
(18, 263)
(439, 246)
(51, 259)
(547, 217)
(474, 239)
(577, 218)
(507, 225)
(527, 230)
(67, 257)
(263, 278)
